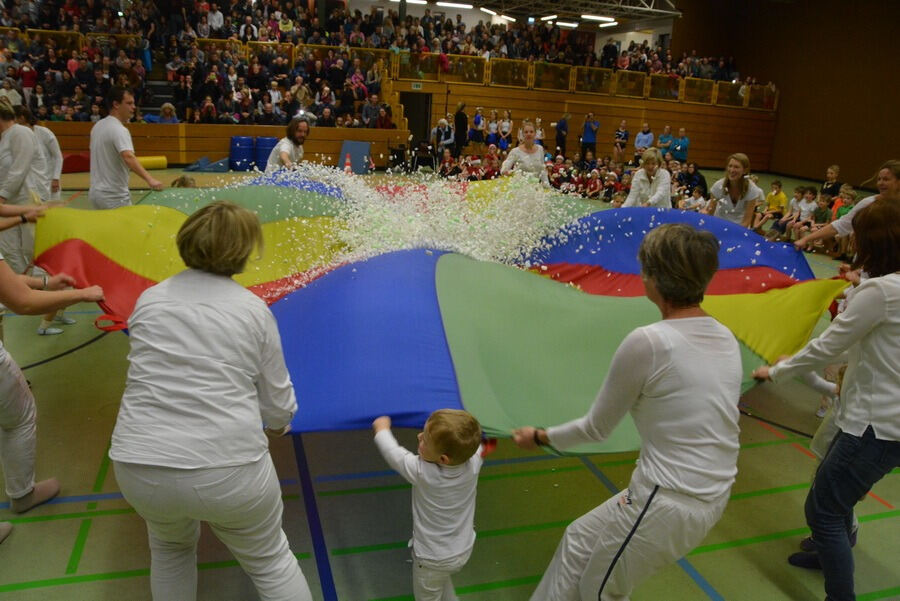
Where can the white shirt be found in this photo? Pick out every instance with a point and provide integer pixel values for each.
(443, 499)
(19, 144)
(869, 330)
(40, 182)
(52, 150)
(734, 211)
(528, 162)
(295, 151)
(806, 208)
(844, 225)
(681, 381)
(206, 369)
(655, 193)
(216, 19)
(109, 172)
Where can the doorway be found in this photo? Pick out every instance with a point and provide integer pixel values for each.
(417, 109)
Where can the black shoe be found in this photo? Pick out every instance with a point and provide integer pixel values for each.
(810, 561)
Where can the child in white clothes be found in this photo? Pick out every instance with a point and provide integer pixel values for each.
(444, 476)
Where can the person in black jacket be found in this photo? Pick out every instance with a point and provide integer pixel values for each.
(460, 129)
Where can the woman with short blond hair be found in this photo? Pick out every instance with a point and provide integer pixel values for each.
(188, 446)
(680, 379)
(651, 184)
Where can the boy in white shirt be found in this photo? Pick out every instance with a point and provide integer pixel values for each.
(444, 476)
(694, 202)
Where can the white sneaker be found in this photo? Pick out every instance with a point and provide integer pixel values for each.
(49, 331)
(67, 321)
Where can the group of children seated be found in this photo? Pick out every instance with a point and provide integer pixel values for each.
(809, 210)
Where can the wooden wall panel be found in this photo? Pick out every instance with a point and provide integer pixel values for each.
(715, 132)
(831, 62)
(183, 144)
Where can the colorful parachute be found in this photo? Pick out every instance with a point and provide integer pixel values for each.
(408, 331)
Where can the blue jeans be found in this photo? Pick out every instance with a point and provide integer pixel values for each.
(848, 472)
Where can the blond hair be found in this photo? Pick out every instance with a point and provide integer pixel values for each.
(681, 260)
(653, 155)
(185, 181)
(219, 238)
(454, 433)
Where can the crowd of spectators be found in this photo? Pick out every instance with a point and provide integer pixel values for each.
(224, 85)
(585, 169)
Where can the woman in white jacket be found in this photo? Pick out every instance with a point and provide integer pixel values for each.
(680, 379)
(206, 365)
(651, 184)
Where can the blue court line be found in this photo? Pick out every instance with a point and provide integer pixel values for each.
(383, 473)
(107, 496)
(685, 565)
(317, 536)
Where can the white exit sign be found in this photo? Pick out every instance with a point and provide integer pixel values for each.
(417, 85)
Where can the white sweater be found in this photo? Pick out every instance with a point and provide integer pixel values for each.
(20, 145)
(443, 499)
(869, 330)
(206, 369)
(654, 193)
(527, 162)
(681, 380)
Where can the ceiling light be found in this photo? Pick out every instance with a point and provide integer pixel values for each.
(413, 1)
(597, 18)
(548, 18)
(613, 24)
(566, 24)
(513, 19)
(454, 5)
(487, 10)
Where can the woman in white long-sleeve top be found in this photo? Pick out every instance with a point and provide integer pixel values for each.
(867, 446)
(206, 365)
(651, 184)
(680, 379)
(48, 167)
(527, 157)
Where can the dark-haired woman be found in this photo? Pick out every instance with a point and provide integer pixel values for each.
(867, 446)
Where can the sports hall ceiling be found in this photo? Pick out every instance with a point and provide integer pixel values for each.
(571, 10)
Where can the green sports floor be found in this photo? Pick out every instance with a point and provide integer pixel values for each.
(348, 518)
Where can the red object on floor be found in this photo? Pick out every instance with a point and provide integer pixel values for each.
(76, 162)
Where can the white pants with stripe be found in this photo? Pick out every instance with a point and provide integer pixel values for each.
(243, 508)
(593, 551)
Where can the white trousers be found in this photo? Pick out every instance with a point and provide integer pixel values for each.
(17, 246)
(243, 508)
(432, 579)
(17, 428)
(619, 544)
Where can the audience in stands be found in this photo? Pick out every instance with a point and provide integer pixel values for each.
(182, 37)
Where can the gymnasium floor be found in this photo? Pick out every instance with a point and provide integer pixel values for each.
(348, 517)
